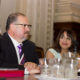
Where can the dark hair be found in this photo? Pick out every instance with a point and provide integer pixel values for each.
(12, 18)
(70, 34)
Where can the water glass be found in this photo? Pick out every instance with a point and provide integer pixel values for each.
(70, 68)
(55, 67)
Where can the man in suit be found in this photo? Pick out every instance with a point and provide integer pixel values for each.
(17, 31)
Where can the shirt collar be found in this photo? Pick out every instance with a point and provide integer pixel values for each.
(16, 43)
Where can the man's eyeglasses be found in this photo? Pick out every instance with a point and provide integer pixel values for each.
(24, 25)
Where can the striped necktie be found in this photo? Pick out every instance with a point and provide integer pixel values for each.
(21, 54)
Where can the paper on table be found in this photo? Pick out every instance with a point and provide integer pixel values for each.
(26, 71)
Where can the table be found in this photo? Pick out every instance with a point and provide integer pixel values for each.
(36, 77)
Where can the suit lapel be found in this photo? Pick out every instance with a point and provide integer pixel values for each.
(11, 48)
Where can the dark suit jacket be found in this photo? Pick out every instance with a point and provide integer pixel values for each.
(8, 56)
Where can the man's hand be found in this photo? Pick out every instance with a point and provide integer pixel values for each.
(32, 67)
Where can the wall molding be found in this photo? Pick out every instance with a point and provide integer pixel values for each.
(67, 10)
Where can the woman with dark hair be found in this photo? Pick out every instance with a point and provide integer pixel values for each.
(64, 43)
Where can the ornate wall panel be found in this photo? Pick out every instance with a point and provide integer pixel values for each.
(67, 11)
(21, 6)
(40, 14)
(0, 3)
(6, 7)
(10, 6)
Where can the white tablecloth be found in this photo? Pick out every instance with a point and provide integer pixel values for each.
(45, 77)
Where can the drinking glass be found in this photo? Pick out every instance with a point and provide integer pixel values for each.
(70, 65)
(70, 68)
(58, 68)
(55, 67)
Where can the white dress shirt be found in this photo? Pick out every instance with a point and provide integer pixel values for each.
(15, 43)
